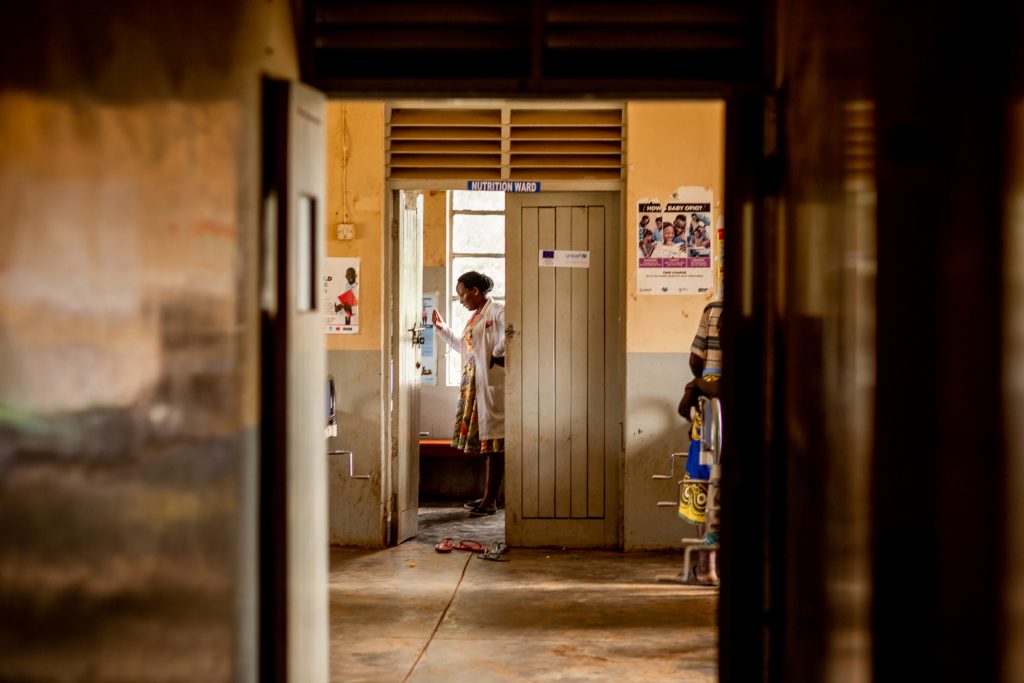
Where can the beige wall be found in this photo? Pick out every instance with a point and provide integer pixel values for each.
(668, 145)
(355, 133)
(129, 334)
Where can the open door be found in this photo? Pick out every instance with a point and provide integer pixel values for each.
(406, 265)
(564, 381)
(293, 476)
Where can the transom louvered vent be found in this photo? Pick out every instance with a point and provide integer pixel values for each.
(505, 143)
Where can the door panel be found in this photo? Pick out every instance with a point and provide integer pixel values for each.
(544, 303)
(580, 380)
(564, 382)
(562, 307)
(407, 295)
(293, 488)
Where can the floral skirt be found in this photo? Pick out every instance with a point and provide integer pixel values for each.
(467, 430)
(693, 497)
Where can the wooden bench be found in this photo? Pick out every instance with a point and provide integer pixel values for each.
(447, 473)
(436, 448)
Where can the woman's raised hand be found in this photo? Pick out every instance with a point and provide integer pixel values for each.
(436, 318)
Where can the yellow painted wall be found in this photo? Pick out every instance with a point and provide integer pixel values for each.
(435, 217)
(355, 132)
(669, 144)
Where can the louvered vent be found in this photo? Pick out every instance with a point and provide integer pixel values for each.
(505, 143)
(548, 47)
(429, 144)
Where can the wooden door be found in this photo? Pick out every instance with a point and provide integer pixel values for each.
(564, 378)
(406, 340)
(293, 487)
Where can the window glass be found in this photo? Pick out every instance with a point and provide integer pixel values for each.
(463, 200)
(492, 267)
(476, 230)
(475, 234)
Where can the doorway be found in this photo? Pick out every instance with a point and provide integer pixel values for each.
(564, 383)
(660, 134)
(457, 231)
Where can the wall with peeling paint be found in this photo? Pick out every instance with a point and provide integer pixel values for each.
(129, 189)
(355, 194)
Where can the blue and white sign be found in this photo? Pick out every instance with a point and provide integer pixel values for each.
(504, 186)
(563, 258)
(428, 352)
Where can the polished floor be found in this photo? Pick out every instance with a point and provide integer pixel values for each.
(412, 614)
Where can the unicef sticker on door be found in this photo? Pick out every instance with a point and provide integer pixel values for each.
(561, 258)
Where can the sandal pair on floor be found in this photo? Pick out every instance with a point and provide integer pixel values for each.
(495, 552)
(448, 544)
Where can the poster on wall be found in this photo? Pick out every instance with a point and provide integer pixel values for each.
(674, 243)
(720, 259)
(341, 295)
(428, 352)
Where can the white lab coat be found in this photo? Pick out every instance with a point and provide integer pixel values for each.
(488, 340)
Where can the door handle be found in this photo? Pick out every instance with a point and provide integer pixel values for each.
(510, 331)
(417, 336)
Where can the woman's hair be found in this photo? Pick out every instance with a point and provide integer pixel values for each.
(479, 280)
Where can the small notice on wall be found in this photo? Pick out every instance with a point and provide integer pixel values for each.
(341, 295)
(674, 243)
(428, 352)
(562, 258)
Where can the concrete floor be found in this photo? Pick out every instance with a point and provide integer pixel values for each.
(412, 614)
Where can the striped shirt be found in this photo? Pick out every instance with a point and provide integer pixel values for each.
(707, 343)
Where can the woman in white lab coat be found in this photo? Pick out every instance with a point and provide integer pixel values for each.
(480, 417)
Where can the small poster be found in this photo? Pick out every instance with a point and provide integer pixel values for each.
(428, 352)
(341, 295)
(674, 243)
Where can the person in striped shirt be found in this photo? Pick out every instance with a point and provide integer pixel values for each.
(706, 365)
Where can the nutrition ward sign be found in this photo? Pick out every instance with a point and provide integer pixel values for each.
(503, 186)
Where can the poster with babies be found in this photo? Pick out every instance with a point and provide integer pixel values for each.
(341, 295)
(674, 243)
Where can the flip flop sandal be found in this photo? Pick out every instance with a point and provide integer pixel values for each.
(483, 512)
(445, 546)
(470, 545)
(498, 548)
(492, 555)
(473, 504)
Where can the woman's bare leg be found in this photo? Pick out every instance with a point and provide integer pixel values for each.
(494, 470)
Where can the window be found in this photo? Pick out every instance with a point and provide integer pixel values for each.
(476, 241)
